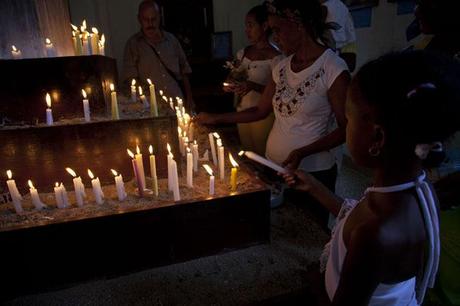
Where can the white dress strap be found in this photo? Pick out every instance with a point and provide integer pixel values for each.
(431, 220)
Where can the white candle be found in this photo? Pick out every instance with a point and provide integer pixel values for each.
(176, 193)
(133, 90)
(121, 192)
(220, 149)
(58, 195)
(170, 157)
(195, 156)
(213, 148)
(143, 98)
(97, 189)
(136, 173)
(101, 45)
(78, 186)
(49, 112)
(35, 197)
(153, 172)
(211, 179)
(84, 39)
(140, 166)
(15, 52)
(95, 41)
(14, 192)
(86, 110)
(191, 130)
(181, 140)
(189, 168)
(153, 99)
(257, 158)
(50, 50)
(114, 103)
(76, 39)
(65, 197)
(171, 103)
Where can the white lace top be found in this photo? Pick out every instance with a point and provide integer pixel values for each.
(409, 292)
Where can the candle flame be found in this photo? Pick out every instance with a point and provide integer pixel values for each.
(9, 174)
(188, 150)
(138, 151)
(169, 148)
(241, 153)
(114, 172)
(232, 160)
(171, 100)
(83, 25)
(48, 100)
(151, 149)
(71, 172)
(133, 82)
(140, 91)
(13, 47)
(48, 41)
(164, 98)
(216, 135)
(56, 184)
(208, 169)
(90, 174)
(219, 142)
(194, 142)
(94, 30)
(226, 84)
(179, 130)
(112, 87)
(74, 27)
(149, 81)
(73, 34)
(161, 92)
(83, 92)
(31, 185)
(131, 154)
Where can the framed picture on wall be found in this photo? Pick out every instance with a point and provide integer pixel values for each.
(357, 4)
(222, 45)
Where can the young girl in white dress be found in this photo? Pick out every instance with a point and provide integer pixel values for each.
(385, 247)
(258, 60)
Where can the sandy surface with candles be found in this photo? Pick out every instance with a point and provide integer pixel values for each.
(246, 182)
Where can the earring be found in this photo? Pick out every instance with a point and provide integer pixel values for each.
(374, 151)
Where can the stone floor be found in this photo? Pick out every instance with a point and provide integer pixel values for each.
(279, 273)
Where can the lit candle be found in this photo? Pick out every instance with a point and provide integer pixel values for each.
(185, 141)
(15, 52)
(153, 100)
(136, 173)
(234, 172)
(189, 168)
(211, 179)
(164, 98)
(97, 189)
(114, 103)
(76, 39)
(49, 112)
(257, 158)
(181, 140)
(86, 46)
(50, 50)
(213, 148)
(86, 110)
(140, 166)
(195, 156)
(171, 103)
(35, 197)
(226, 84)
(78, 186)
(95, 41)
(119, 185)
(133, 91)
(14, 192)
(61, 198)
(170, 157)
(191, 129)
(220, 149)
(153, 171)
(101, 45)
(143, 98)
(175, 181)
(65, 197)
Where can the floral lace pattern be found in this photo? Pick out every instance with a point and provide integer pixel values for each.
(287, 99)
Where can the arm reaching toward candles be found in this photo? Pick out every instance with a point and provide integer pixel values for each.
(261, 111)
(303, 181)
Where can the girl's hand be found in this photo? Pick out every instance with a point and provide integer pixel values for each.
(292, 162)
(205, 118)
(228, 87)
(300, 180)
(242, 88)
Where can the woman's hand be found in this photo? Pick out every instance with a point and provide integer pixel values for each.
(228, 86)
(300, 180)
(205, 118)
(242, 88)
(292, 162)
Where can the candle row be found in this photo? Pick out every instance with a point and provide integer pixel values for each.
(86, 43)
(49, 48)
(152, 104)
